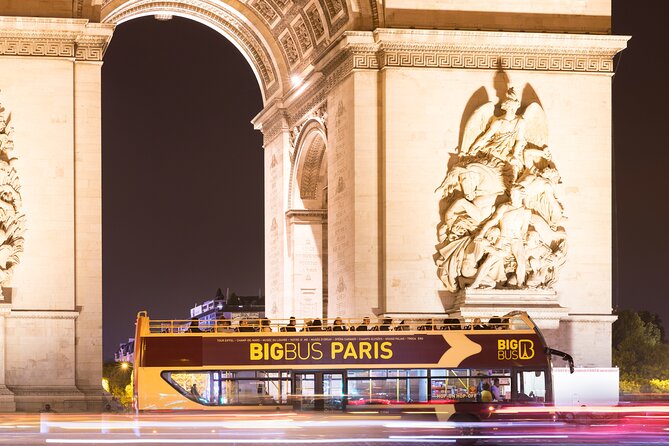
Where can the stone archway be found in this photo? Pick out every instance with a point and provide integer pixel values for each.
(393, 78)
(249, 36)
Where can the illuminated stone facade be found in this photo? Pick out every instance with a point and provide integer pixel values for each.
(366, 105)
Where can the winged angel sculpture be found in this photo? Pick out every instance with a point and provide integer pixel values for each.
(12, 218)
(501, 218)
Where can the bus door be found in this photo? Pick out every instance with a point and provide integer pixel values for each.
(318, 390)
(531, 385)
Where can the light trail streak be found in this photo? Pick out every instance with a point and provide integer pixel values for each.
(121, 425)
(480, 437)
(584, 409)
(243, 441)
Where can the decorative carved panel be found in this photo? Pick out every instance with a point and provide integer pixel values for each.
(283, 4)
(502, 220)
(311, 169)
(12, 218)
(265, 10)
(289, 48)
(302, 33)
(316, 22)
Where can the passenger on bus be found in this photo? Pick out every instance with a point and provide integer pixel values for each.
(223, 326)
(307, 325)
(451, 324)
(244, 326)
(477, 325)
(194, 391)
(364, 326)
(427, 327)
(486, 395)
(386, 324)
(265, 325)
(316, 325)
(194, 326)
(494, 389)
(479, 387)
(495, 323)
(402, 326)
(292, 325)
(338, 325)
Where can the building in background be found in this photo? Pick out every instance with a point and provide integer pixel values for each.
(229, 306)
(126, 352)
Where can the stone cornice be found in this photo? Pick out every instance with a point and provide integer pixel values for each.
(598, 318)
(39, 392)
(271, 121)
(43, 314)
(489, 50)
(71, 38)
(306, 215)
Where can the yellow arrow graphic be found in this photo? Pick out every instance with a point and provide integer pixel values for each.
(461, 348)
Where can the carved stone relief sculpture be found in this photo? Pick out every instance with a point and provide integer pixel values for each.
(501, 217)
(12, 218)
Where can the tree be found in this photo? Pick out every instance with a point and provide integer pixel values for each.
(119, 378)
(654, 319)
(638, 349)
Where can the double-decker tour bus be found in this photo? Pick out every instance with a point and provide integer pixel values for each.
(457, 369)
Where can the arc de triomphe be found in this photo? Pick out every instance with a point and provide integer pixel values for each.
(421, 158)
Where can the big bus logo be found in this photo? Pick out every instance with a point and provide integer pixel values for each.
(513, 349)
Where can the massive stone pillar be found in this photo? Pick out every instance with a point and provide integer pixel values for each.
(51, 331)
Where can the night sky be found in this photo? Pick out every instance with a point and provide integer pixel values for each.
(182, 173)
(183, 170)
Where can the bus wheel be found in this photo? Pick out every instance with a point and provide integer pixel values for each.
(466, 429)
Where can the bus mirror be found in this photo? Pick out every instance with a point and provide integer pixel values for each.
(567, 357)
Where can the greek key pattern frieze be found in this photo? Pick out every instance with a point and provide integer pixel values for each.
(89, 52)
(20, 47)
(537, 61)
(364, 61)
(29, 38)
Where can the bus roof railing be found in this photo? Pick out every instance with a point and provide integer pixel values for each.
(516, 320)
